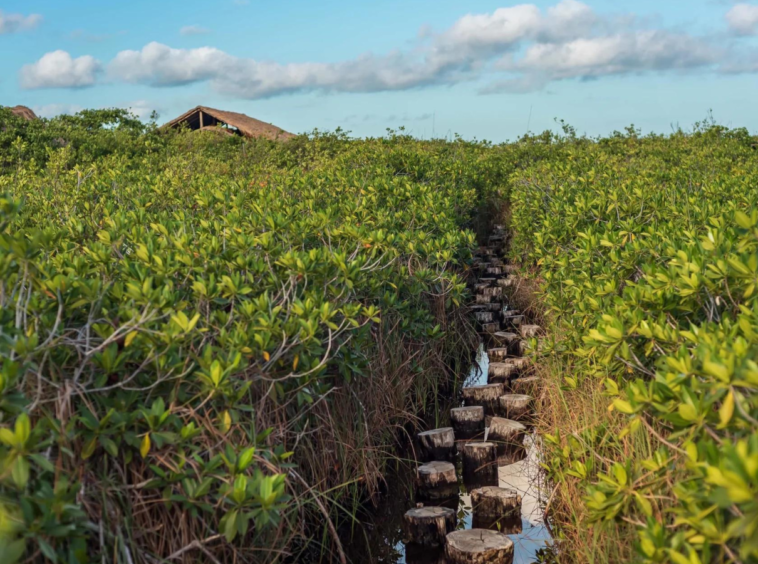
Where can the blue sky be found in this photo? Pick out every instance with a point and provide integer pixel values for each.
(483, 69)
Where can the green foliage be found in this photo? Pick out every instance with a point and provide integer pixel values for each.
(648, 247)
(162, 293)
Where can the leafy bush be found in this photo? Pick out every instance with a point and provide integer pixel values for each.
(182, 313)
(648, 249)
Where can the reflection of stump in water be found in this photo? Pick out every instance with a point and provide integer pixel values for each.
(437, 480)
(512, 525)
(428, 526)
(438, 444)
(478, 546)
(480, 463)
(468, 422)
(417, 554)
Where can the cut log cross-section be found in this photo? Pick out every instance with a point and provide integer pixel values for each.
(479, 459)
(517, 407)
(478, 546)
(528, 385)
(495, 502)
(428, 526)
(468, 422)
(486, 396)
(437, 480)
(506, 370)
(507, 434)
(437, 444)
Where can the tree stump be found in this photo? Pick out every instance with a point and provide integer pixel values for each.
(437, 444)
(468, 422)
(479, 286)
(516, 407)
(490, 327)
(514, 319)
(429, 526)
(482, 299)
(521, 348)
(437, 480)
(494, 291)
(529, 331)
(505, 282)
(484, 316)
(506, 370)
(486, 396)
(495, 502)
(507, 434)
(494, 270)
(528, 385)
(479, 461)
(497, 354)
(506, 338)
(478, 546)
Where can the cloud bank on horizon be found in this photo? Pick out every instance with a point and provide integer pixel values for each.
(514, 49)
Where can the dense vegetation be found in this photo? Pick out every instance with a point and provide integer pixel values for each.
(648, 249)
(207, 341)
(209, 346)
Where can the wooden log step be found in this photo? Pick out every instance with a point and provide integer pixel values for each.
(437, 480)
(517, 407)
(521, 348)
(486, 395)
(429, 526)
(505, 282)
(505, 370)
(495, 502)
(483, 299)
(506, 338)
(481, 286)
(484, 316)
(529, 331)
(437, 444)
(497, 353)
(507, 434)
(491, 328)
(468, 422)
(494, 270)
(496, 307)
(496, 261)
(492, 291)
(528, 385)
(502, 372)
(513, 319)
(479, 461)
(478, 546)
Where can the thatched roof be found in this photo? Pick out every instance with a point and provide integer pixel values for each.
(24, 112)
(245, 125)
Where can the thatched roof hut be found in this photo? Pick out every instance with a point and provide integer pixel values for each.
(24, 112)
(204, 118)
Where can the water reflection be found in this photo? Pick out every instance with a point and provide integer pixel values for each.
(379, 539)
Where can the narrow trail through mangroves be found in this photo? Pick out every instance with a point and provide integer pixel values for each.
(477, 494)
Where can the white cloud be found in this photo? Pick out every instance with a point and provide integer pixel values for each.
(59, 70)
(194, 30)
(12, 23)
(52, 110)
(743, 19)
(528, 46)
(519, 48)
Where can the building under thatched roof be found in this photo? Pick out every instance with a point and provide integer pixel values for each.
(203, 118)
(24, 112)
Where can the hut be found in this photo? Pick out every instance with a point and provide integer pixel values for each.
(24, 112)
(203, 118)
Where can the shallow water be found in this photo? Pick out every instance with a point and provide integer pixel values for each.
(380, 536)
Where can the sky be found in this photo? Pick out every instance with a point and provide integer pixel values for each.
(482, 69)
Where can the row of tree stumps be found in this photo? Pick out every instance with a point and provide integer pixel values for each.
(487, 432)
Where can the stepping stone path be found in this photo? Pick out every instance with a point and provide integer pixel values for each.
(504, 405)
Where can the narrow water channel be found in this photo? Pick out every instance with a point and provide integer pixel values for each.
(379, 538)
